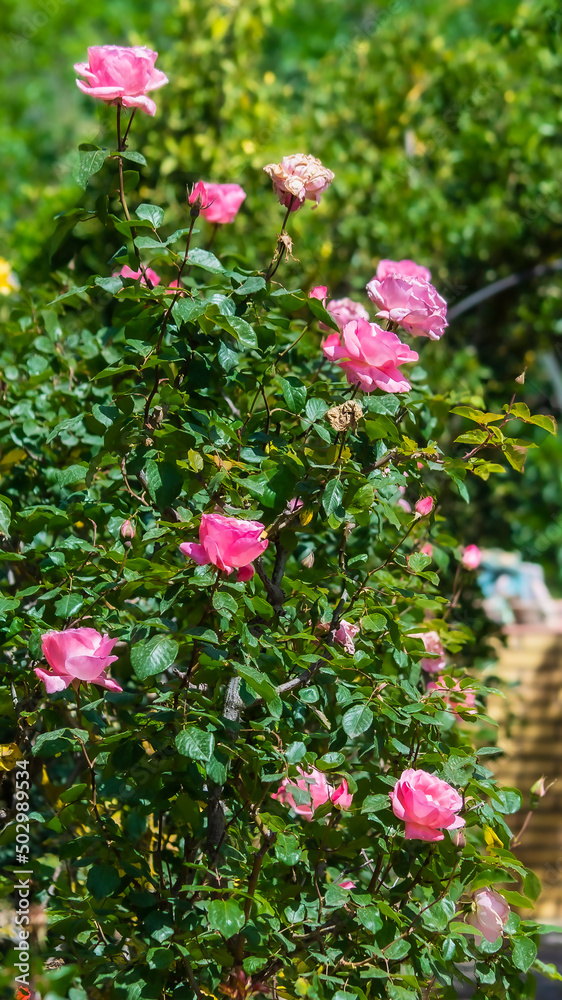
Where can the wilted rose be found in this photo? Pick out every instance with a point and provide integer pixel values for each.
(298, 177)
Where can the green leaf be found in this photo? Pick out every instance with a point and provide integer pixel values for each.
(370, 917)
(332, 496)
(111, 285)
(5, 518)
(373, 623)
(547, 969)
(74, 793)
(397, 950)
(243, 332)
(72, 474)
(195, 743)
(224, 602)
(90, 162)
(287, 848)
(58, 740)
(374, 803)
(152, 657)
(226, 916)
(524, 953)
(477, 415)
(257, 681)
(294, 393)
(68, 605)
(134, 157)
(102, 880)
(149, 243)
(204, 259)
(507, 800)
(330, 761)
(357, 720)
(153, 213)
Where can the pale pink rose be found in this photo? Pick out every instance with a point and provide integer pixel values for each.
(319, 791)
(412, 303)
(74, 655)
(319, 292)
(224, 201)
(347, 884)
(127, 530)
(471, 557)
(345, 635)
(229, 543)
(344, 311)
(295, 504)
(424, 506)
(427, 805)
(117, 74)
(465, 697)
(369, 356)
(297, 177)
(432, 644)
(427, 549)
(127, 272)
(401, 502)
(490, 913)
(406, 268)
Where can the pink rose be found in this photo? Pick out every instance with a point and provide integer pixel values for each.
(432, 644)
(427, 805)
(370, 356)
(427, 549)
(347, 884)
(319, 792)
(297, 177)
(471, 557)
(74, 655)
(127, 530)
(346, 634)
(319, 292)
(229, 543)
(127, 272)
(424, 506)
(117, 74)
(412, 303)
(404, 268)
(344, 311)
(466, 699)
(223, 202)
(490, 913)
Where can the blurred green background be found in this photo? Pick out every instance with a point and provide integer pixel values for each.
(440, 120)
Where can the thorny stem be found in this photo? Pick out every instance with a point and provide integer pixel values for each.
(121, 146)
(278, 255)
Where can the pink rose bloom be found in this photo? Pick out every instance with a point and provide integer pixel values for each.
(466, 699)
(369, 356)
(298, 177)
(424, 506)
(412, 303)
(229, 543)
(74, 655)
(347, 884)
(127, 272)
(117, 74)
(432, 644)
(344, 311)
(223, 202)
(346, 634)
(319, 791)
(471, 557)
(319, 292)
(427, 549)
(404, 268)
(427, 805)
(490, 913)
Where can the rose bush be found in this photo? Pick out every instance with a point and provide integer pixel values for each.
(172, 858)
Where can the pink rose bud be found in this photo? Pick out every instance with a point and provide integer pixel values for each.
(117, 74)
(427, 805)
(432, 644)
(405, 268)
(540, 787)
(411, 302)
(458, 838)
(229, 543)
(424, 506)
(75, 655)
(465, 699)
(347, 884)
(127, 272)
(128, 530)
(318, 292)
(427, 549)
(319, 791)
(369, 356)
(471, 557)
(344, 311)
(308, 560)
(198, 199)
(346, 634)
(224, 202)
(342, 797)
(298, 177)
(490, 913)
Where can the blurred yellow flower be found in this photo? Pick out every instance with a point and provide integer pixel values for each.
(8, 281)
